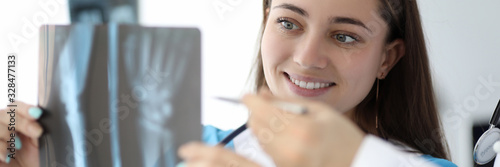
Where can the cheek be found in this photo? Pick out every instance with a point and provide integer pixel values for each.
(361, 67)
(358, 76)
(275, 53)
(274, 49)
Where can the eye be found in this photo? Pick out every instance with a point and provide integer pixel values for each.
(287, 24)
(344, 38)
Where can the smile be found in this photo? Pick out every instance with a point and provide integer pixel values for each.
(310, 85)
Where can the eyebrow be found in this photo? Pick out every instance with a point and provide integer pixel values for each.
(293, 8)
(348, 20)
(333, 20)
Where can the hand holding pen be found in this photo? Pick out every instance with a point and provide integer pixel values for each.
(320, 137)
(281, 105)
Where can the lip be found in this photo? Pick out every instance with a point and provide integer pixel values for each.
(303, 91)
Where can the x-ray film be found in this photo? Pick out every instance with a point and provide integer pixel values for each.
(118, 95)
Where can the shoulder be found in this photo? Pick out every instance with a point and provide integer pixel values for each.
(375, 151)
(439, 161)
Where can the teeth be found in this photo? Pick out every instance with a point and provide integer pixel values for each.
(309, 85)
(303, 84)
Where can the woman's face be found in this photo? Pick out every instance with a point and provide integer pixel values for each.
(326, 50)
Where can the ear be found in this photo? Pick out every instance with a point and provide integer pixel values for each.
(394, 51)
(267, 6)
(266, 14)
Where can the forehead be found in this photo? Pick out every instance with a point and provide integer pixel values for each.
(364, 10)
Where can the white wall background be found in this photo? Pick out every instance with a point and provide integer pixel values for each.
(462, 35)
(229, 37)
(463, 43)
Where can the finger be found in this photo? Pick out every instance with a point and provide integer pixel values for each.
(10, 138)
(28, 141)
(202, 163)
(29, 155)
(196, 150)
(293, 105)
(28, 111)
(283, 103)
(10, 117)
(20, 124)
(22, 117)
(196, 164)
(3, 151)
(197, 154)
(265, 91)
(260, 110)
(215, 164)
(4, 133)
(286, 148)
(188, 151)
(267, 112)
(311, 107)
(267, 121)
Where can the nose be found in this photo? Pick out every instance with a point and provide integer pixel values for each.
(310, 52)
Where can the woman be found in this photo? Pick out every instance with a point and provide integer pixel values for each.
(360, 69)
(350, 63)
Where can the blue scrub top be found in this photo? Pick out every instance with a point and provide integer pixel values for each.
(212, 136)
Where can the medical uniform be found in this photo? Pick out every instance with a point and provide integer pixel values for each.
(373, 151)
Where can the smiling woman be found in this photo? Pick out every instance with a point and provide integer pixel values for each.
(361, 69)
(337, 48)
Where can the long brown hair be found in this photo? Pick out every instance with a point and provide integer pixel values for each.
(406, 105)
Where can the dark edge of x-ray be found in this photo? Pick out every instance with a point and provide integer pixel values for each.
(118, 95)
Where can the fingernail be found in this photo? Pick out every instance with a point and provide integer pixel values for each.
(35, 112)
(18, 143)
(7, 160)
(181, 164)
